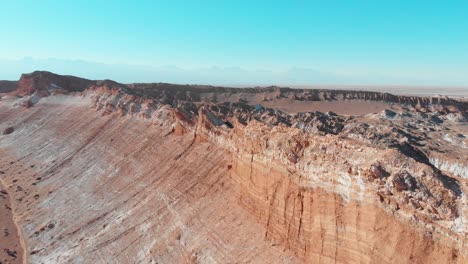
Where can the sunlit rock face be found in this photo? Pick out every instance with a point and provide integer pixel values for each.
(162, 173)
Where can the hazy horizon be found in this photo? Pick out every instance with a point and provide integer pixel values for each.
(417, 43)
(225, 76)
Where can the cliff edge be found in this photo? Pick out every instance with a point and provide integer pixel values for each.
(165, 173)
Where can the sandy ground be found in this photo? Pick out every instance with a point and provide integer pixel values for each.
(10, 246)
(354, 107)
(292, 106)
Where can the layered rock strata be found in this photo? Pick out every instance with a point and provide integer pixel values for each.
(122, 173)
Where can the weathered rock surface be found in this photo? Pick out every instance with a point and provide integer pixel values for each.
(181, 174)
(46, 82)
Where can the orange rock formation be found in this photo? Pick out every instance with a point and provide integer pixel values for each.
(181, 174)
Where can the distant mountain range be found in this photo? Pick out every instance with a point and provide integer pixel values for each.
(233, 76)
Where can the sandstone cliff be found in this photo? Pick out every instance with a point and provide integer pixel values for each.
(45, 82)
(180, 174)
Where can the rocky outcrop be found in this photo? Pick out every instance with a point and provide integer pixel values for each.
(179, 176)
(45, 82)
(8, 130)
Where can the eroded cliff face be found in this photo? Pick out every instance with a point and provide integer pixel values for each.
(123, 190)
(44, 82)
(329, 196)
(111, 175)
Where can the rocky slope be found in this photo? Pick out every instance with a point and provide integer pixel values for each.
(178, 174)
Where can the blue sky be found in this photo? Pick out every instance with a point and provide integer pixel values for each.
(388, 42)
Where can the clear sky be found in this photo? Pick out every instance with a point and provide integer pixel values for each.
(391, 42)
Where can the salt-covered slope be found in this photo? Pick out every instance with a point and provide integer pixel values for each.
(103, 189)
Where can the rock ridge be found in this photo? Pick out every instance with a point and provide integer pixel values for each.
(378, 163)
(386, 187)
